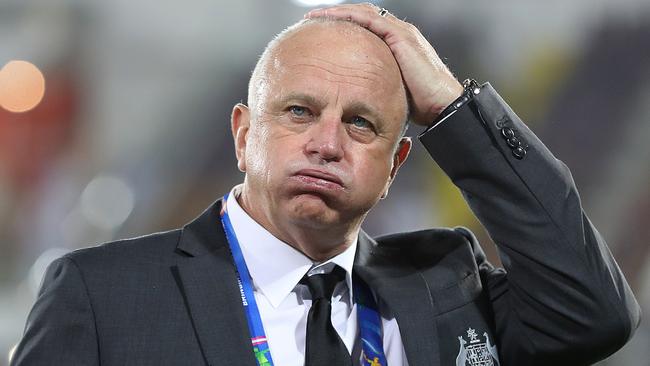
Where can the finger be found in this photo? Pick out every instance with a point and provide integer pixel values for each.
(365, 6)
(366, 16)
(368, 11)
(363, 16)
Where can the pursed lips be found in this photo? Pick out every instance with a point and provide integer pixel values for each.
(320, 175)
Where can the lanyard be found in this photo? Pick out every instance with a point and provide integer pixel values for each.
(370, 330)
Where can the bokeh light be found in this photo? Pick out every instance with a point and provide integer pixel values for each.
(107, 202)
(22, 86)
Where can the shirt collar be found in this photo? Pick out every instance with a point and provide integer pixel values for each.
(275, 266)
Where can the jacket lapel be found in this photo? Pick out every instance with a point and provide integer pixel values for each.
(207, 279)
(403, 289)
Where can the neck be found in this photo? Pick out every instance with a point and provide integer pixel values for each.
(318, 242)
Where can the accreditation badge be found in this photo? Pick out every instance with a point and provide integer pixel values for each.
(475, 351)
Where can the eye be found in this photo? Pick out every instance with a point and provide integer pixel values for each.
(360, 122)
(361, 129)
(298, 110)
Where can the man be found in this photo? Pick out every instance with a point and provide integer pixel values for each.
(280, 272)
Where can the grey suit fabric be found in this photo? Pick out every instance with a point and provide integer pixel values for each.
(172, 298)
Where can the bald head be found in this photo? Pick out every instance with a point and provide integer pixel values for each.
(331, 41)
(321, 139)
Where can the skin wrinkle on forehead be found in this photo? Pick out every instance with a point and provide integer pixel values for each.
(272, 62)
(335, 75)
(352, 75)
(365, 73)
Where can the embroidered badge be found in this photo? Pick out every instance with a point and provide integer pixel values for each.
(475, 352)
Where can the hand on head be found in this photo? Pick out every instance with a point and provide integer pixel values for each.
(431, 85)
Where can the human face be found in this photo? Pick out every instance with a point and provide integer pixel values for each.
(322, 142)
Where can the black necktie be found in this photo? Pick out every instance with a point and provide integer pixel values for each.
(324, 346)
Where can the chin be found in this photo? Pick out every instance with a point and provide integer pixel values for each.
(313, 211)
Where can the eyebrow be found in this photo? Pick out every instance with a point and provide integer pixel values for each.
(357, 108)
(310, 99)
(364, 109)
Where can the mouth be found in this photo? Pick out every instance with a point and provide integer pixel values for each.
(319, 179)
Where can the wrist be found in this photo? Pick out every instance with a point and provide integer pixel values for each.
(455, 92)
(469, 89)
(444, 98)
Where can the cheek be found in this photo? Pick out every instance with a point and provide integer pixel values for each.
(373, 172)
(258, 152)
(255, 162)
(267, 152)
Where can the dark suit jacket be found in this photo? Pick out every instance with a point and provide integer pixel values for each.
(172, 298)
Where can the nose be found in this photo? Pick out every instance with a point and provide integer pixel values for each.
(326, 139)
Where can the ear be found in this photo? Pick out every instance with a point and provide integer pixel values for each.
(239, 125)
(399, 158)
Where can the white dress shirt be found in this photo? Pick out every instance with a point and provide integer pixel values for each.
(276, 269)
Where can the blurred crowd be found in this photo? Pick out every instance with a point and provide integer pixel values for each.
(114, 120)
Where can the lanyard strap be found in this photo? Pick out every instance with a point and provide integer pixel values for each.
(258, 336)
(370, 329)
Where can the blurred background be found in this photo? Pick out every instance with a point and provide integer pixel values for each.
(114, 120)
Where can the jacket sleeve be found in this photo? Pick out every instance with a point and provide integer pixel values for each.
(60, 328)
(562, 298)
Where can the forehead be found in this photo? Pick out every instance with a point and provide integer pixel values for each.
(338, 58)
